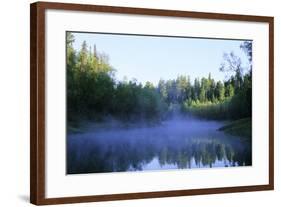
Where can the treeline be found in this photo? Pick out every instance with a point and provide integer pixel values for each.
(94, 93)
(210, 99)
(230, 100)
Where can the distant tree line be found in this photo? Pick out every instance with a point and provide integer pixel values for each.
(94, 93)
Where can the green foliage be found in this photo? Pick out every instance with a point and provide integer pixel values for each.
(241, 127)
(229, 100)
(226, 105)
(132, 101)
(93, 93)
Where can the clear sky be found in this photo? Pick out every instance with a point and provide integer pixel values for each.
(148, 58)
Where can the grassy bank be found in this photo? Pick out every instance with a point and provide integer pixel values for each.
(209, 110)
(241, 127)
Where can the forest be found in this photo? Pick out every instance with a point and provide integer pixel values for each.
(94, 93)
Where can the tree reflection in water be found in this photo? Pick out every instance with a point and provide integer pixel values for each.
(155, 148)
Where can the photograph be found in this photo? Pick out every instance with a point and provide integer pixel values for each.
(142, 102)
(137, 102)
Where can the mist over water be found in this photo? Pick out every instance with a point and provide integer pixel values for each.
(173, 144)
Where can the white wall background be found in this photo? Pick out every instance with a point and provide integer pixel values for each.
(14, 102)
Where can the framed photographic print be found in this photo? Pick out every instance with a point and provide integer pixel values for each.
(130, 103)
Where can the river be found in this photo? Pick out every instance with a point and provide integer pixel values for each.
(175, 144)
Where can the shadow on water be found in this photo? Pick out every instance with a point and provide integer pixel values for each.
(175, 144)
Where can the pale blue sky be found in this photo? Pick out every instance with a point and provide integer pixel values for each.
(148, 58)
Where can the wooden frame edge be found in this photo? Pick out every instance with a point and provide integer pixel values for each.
(151, 12)
(37, 102)
(33, 100)
(147, 195)
(271, 101)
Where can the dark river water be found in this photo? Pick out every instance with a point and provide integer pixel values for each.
(175, 144)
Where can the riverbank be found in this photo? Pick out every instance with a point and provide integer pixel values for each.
(241, 127)
(109, 125)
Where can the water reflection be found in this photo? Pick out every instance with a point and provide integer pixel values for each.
(180, 145)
